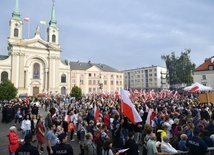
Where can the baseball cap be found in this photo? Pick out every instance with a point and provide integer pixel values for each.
(28, 136)
(196, 131)
(62, 136)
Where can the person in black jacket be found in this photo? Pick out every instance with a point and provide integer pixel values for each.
(27, 148)
(204, 114)
(63, 148)
(132, 145)
(35, 110)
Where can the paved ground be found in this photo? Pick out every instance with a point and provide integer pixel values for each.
(4, 129)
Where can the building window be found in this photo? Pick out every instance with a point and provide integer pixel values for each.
(73, 81)
(81, 82)
(150, 75)
(36, 71)
(112, 76)
(63, 78)
(4, 75)
(16, 32)
(89, 90)
(89, 74)
(116, 82)
(204, 77)
(94, 81)
(73, 74)
(120, 82)
(94, 89)
(53, 38)
(210, 67)
(89, 81)
(150, 70)
(105, 82)
(112, 82)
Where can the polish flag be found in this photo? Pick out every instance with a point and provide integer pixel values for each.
(128, 108)
(165, 94)
(147, 108)
(116, 95)
(96, 113)
(104, 95)
(161, 94)
(151, 94)
(144, 95)
(176, 94)
(194, 89)
(151, 115)
(27, 19)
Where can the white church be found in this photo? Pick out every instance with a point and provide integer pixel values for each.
(34, 64)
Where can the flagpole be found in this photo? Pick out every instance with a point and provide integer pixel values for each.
(28, 33)
(45, 32)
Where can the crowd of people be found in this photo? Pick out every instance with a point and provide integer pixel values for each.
(179, 124)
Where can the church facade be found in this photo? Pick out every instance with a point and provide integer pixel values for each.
(33, 64)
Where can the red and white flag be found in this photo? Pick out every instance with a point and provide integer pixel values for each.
(151, 115)
(27, 19)
(144, 95)
(176, 94)
(96, 113)
(116, 95)
(128, 108)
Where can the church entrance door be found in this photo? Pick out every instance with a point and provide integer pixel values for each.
(35, 91)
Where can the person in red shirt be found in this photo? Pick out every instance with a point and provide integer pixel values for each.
(14, 141)
(106, 119)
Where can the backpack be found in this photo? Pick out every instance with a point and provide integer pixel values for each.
(97, 138)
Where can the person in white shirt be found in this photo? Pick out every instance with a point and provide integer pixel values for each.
(26, 125)
(167, 147)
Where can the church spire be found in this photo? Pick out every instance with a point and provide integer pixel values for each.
(16, 14)
(53, 21)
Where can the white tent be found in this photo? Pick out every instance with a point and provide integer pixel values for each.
(198, 87)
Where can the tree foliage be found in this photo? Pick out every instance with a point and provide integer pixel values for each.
(7, 90)
(76, 92)
(180, 69)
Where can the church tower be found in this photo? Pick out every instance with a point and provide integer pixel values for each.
(16, 23)
(53, 30)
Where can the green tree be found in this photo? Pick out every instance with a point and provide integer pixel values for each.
(76, 92)
(7, 90)
(180, 69)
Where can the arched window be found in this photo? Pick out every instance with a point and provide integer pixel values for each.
(53, 38)
(63, 78)
(4, 75)
(16, 32)
(36, 71)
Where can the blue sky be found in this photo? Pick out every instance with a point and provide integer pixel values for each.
(123, 34)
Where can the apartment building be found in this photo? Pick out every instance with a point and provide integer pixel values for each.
(145, 77)
(95, 77)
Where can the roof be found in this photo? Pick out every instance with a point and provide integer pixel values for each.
(3, 57)
(205, 66)
(86, 65)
